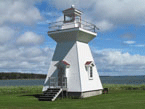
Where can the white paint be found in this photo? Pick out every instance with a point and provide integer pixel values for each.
(85, 55)
(70, 25)
(76, 53)
(72, 47)
(72, 34)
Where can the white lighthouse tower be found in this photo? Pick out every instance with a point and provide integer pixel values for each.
(72, 67)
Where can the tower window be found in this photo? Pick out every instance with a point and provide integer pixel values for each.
(91, 72)
(89, 68)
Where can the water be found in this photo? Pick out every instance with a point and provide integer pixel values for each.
(108, 80)
(123, 80)
(32, 82)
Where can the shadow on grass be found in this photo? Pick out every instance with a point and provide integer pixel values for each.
(33, 95)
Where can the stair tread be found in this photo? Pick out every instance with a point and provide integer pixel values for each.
(50, 94)
(47, 97)
(52, 91)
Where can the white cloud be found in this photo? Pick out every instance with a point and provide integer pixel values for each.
(37, 60)
(21, 54)
(65, 3)
(108, 13)
(29, 38)
(104, 25)
(140, 45)
(119, 63)
(32, 59)
(17, 11)
(6, 34)
(129, 42)
(127, 36)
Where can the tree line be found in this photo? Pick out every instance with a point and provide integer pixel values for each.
(13, 75)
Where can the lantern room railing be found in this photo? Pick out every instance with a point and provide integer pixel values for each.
(54, 26)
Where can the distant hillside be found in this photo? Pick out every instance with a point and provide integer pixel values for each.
(13, 75)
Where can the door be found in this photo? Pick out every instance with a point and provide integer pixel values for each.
(61, 74)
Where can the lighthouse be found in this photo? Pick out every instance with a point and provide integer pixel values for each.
(72, 68)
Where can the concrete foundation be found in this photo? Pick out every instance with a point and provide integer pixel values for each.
(84, 94)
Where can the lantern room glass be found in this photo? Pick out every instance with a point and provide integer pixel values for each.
(71, 18)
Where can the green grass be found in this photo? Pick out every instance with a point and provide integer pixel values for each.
(119, 97)
(124, 87)
(20, 89)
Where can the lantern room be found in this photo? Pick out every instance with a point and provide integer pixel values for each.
(72, 15)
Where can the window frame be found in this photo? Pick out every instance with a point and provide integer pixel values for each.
(90, 71)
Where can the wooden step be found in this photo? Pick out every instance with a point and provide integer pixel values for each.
(50, 95)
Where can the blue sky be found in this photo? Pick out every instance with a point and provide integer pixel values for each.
(118, 49)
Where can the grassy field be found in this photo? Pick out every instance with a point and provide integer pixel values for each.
(119, 97)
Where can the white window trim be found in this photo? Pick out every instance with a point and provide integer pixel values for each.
(88, 66)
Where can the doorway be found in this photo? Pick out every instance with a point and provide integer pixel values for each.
(61, 75)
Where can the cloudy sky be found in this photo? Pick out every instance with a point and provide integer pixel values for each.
(119, 48)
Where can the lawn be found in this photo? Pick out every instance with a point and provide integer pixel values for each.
(131, 97)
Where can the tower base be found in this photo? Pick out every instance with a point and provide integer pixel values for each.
(85, 94)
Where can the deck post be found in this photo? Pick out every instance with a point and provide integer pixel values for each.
(62, 93)
(49, 82)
